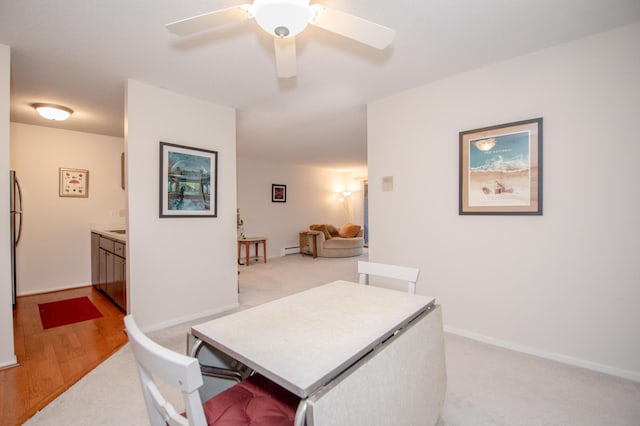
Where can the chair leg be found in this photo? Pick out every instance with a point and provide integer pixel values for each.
(301, 414)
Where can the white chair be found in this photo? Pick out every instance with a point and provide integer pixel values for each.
(183, 372)
(403, 273)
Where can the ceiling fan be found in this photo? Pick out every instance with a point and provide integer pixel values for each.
(285, 19)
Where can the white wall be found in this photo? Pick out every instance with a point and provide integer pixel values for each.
(55, 248)
(311, 198)
(178, 268)
(355, 202)
(7, 354)
(564, 285)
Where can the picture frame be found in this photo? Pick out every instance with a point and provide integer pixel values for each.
(501, 169)
(188, 181)
(73, 183)
(278, 193)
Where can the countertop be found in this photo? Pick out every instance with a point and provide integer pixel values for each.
(107, 231)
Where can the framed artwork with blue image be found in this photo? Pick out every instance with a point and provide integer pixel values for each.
(188, 181)
(501, 169)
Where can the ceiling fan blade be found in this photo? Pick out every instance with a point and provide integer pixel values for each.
(352, 27)
(210, 20)
(285, 49)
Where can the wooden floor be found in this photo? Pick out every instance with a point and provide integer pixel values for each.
(52, 360)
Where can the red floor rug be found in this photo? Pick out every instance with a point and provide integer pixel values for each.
(64, 312)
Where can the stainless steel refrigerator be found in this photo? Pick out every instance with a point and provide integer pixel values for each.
(15, 194)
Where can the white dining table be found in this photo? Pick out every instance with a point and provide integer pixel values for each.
(305, 340)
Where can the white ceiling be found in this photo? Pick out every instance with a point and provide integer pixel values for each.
(80, 53)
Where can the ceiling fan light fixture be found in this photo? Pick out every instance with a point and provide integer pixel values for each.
(52, 111)
(283, 18)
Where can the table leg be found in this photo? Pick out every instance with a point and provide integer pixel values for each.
(302, 242)
(247, 246)
(264, 250)
(257, 249)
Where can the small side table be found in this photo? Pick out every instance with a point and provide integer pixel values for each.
(246, 243)
(314, 243)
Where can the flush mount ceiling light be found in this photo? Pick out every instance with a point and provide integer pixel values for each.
(284, 19)
(52, 111)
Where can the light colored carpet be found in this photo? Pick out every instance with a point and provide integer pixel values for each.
(486, 385)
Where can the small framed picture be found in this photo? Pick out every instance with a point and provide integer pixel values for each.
(74, 183)
(278, 193)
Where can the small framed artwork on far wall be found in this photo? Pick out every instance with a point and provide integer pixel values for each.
(278, 193)
(73, 183)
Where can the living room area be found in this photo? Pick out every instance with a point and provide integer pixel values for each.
(313, 195)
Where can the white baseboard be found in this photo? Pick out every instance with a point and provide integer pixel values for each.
(12, 362)
(180, 320)
(52, 289)
(577, 362)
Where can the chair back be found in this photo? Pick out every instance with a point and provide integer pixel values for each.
(177, 370)
(403, 273)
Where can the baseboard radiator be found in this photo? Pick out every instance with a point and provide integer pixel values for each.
(290, 250)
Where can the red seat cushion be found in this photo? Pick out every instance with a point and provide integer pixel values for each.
(255, 401)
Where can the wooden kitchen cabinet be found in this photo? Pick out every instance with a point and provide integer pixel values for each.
(95, 258)
(104, 267)
(119, 283)
(108, 272)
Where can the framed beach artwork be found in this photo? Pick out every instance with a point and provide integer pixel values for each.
(278, 193)
(501, 169)
(73, 183)
(188, 181)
